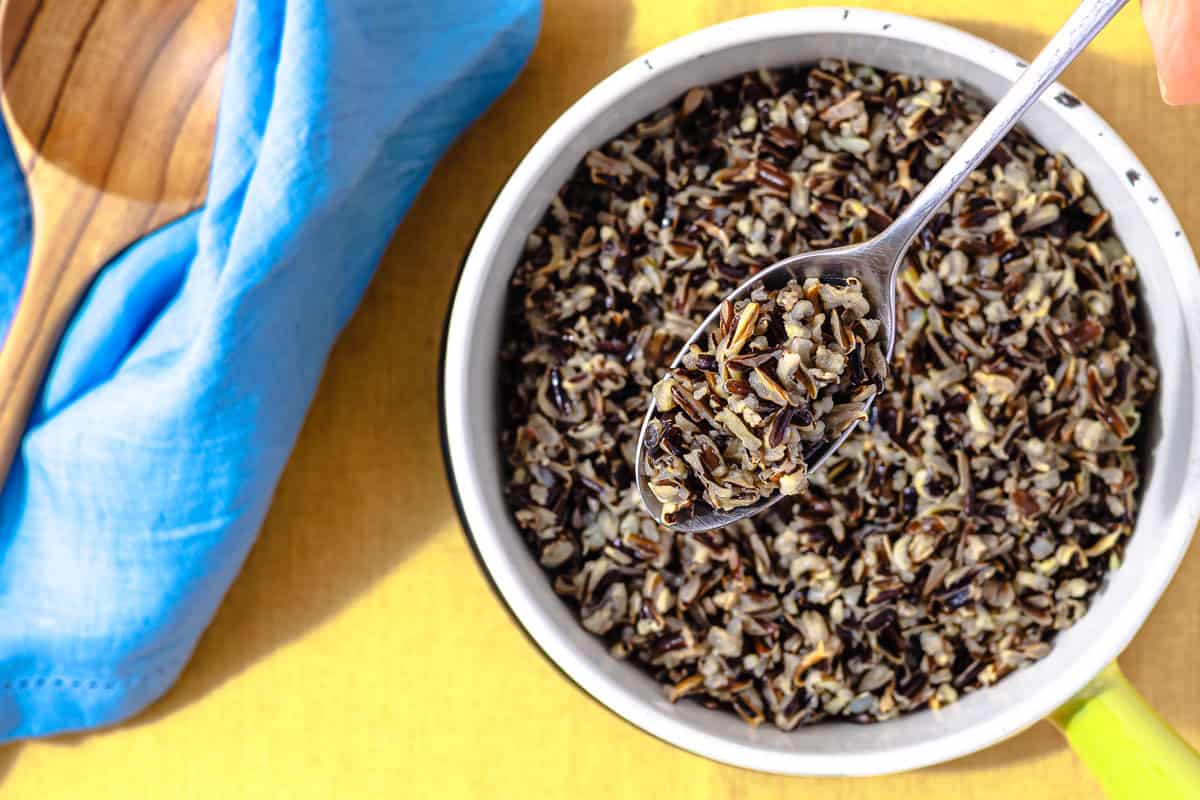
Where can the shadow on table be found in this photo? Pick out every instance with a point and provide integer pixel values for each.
(8, 757)
(364, 488)
(1029, 745)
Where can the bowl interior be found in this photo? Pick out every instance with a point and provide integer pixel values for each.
(1147, 228)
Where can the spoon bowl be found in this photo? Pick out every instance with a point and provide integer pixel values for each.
(120, 96)
(869, 262)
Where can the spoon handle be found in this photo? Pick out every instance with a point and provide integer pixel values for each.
(1089, 18)
(49, 299)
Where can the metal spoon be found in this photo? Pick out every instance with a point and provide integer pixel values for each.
(877, 262)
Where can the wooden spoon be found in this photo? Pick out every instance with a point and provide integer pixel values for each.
(112, 108)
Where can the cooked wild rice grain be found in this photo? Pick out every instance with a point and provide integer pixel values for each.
(784, 371)
(947, 541)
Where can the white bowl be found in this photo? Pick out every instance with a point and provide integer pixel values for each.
(1170, 287)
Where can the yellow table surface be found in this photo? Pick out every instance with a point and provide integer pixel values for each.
(362, 654)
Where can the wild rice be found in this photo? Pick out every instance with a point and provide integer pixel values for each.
(784, 371)
(949, 539)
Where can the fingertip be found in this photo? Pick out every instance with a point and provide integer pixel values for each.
(1165, 92)
(1176, 94)
(1174, 27)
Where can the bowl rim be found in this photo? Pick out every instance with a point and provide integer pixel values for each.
(481, 532)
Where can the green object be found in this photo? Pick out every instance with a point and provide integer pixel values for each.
(1129, 748)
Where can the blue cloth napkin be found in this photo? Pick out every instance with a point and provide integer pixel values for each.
(183, 381)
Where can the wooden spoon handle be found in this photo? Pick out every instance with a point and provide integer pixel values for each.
(48, 301)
